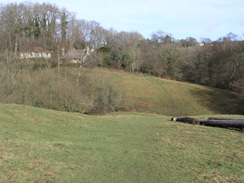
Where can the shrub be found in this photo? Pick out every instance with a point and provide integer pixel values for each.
(47, 88)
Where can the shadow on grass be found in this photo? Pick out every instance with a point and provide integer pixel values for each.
(219, 101)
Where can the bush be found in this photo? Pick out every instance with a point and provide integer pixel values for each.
(47, 88)
(108, 95)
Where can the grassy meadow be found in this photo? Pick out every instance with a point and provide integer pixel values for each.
(168, 97)
(40, 145)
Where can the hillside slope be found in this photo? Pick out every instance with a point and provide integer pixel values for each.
(40, 145)
(168, 97)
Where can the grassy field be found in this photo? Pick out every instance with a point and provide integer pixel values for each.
(168, 97)
(40, 145)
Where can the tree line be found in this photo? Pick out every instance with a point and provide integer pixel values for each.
(218, 63)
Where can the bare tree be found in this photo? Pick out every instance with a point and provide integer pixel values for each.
(205, 40)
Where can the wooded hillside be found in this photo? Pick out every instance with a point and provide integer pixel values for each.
(25, 26)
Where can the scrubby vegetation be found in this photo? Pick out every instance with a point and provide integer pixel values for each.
(58, 89)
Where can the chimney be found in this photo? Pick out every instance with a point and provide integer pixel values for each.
(63, 52)
(88, 49)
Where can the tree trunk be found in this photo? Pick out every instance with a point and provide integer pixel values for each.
(215, 122)
(211, 118)
(16, 45)
(223, 123)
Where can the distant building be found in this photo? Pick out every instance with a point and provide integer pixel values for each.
(75, 56)
(36, 52)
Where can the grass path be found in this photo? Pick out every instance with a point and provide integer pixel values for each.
(39, 145)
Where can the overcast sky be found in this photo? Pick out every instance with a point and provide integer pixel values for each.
(182, 18)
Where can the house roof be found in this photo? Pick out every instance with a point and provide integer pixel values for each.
(73, 54)
(35, 50)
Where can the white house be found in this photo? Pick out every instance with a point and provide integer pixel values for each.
(36, 52)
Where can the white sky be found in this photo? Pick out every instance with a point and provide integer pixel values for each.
(181, 18)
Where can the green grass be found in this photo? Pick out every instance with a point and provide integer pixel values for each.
(168, 97)
(39, 145)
